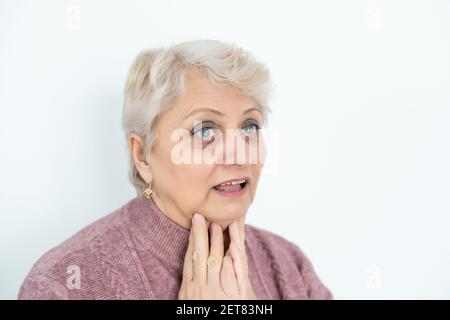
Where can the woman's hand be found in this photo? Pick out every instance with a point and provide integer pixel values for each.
(208, 273)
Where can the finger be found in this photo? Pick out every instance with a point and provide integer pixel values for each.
(241, 268)
(228, 278)
(201, 250)
(214, 263)
(237, 233)
(182, 293)
(188, 267)
(241, 223)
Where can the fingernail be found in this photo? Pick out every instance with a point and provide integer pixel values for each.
(233, 226)
(218, 228)
(198, 218)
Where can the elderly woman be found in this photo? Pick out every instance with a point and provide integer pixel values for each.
(192, 118)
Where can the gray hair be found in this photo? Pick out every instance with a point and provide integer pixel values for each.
(157, 76)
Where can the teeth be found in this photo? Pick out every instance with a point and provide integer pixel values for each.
(232, 183)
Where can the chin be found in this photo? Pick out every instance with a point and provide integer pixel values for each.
(225, 215)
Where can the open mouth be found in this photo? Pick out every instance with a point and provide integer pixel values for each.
(232, 187)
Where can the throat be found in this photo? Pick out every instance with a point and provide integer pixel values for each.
(226, 240)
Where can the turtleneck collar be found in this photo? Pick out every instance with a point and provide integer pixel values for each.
(156, 232)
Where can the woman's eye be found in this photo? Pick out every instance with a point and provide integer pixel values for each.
(250, 129)
(204, 132)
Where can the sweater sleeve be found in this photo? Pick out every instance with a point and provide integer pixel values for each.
(40, 287)
(315, 288)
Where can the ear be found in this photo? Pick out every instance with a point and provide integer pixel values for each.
(136, 148)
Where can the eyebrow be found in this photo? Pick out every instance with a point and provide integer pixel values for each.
(205, 109)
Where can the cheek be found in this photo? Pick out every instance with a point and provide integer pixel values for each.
(193, 181)
(256, 173)
(187, 183)
(262, 151)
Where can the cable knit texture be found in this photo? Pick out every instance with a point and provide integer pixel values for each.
(137, 252)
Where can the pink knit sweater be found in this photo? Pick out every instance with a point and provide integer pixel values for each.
(137, 252)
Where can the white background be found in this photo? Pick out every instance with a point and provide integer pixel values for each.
(362, 111)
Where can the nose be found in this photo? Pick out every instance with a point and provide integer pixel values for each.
(235, 149)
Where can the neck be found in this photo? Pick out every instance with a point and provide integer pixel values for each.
(172, 212)
(176, 216)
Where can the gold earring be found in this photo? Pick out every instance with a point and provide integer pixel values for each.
(148, 192)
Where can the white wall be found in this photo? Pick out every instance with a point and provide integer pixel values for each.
(362, 110)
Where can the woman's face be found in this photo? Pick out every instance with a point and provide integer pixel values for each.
(195, 130)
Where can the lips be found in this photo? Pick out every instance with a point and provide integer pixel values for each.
(232, 185)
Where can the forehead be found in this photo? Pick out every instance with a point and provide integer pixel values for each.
(201, 92)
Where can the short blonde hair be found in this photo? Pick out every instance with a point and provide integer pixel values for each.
(157, 76)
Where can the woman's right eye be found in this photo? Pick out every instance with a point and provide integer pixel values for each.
(205, 132)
